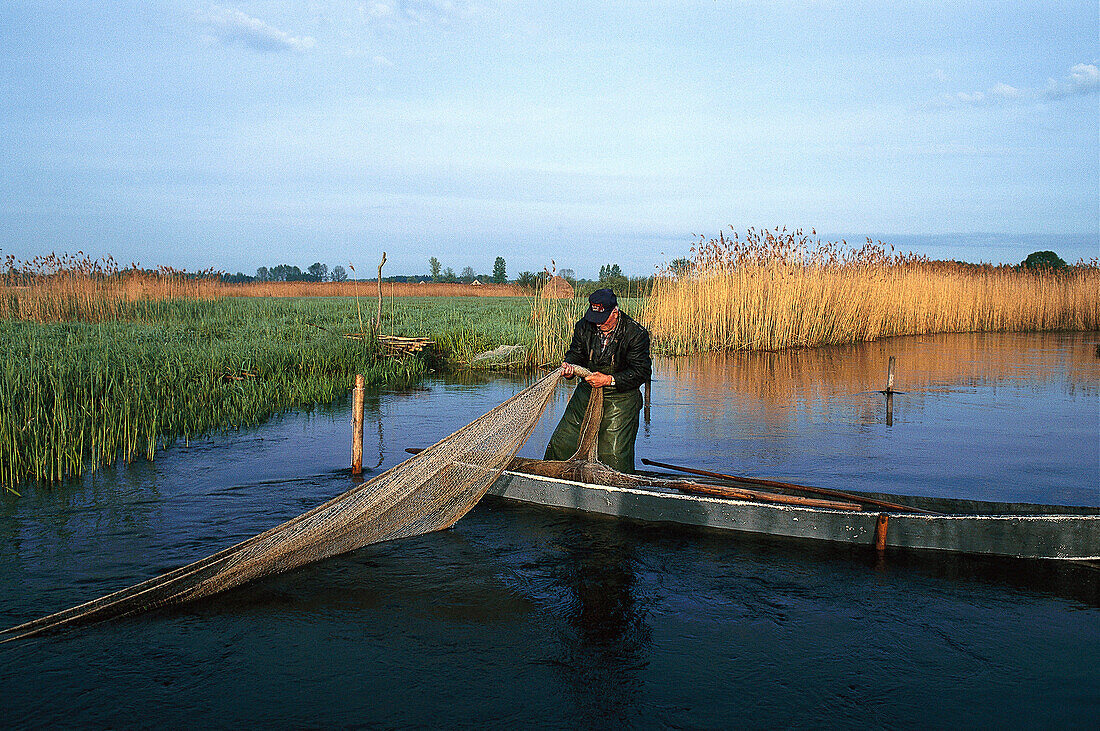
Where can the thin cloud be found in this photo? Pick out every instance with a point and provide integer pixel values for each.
(232, 27)
(1083, 78)
(420, 12)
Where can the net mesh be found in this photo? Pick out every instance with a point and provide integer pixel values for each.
(427, 492)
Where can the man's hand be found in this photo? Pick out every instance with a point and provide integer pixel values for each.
(597, 380)
(567, 370)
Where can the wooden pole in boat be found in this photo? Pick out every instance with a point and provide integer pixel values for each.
(522, 464)
(357, 426)
(789, 486)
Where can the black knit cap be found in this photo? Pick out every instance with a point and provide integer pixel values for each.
(600, 304)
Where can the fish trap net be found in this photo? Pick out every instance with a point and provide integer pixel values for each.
(425, 493)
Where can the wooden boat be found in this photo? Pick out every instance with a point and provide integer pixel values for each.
(963, 526)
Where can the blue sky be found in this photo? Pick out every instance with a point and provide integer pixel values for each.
(239, 134)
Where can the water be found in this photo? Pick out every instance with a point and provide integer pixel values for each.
(522, 615)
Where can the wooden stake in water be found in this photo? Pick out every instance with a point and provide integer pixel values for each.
(357, 426)
(378, 319)
(889, 391)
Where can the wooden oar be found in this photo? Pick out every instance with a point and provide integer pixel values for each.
(532, 467)
(789, 486)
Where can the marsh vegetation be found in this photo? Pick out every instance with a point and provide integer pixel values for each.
(103, 364)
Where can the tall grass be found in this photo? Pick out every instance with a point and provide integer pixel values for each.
(778, 289)
(75, 396)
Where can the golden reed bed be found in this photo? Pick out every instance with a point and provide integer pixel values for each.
(775, 289)
(76, 287)
(66, 287)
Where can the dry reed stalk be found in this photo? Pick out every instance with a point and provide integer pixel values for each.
(76, 287)
(777, 290)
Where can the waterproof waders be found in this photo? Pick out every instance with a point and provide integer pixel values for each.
(618, 429)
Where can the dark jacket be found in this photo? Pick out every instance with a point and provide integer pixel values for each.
(627, 355)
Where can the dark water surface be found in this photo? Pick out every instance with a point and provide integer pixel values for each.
(521, 615)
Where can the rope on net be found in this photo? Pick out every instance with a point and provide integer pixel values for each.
(425, 493)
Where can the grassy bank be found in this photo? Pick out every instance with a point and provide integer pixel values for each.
(78, 395)
(464, 327)
(775, 290)
(367, 289)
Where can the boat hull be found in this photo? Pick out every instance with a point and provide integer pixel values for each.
(1025, 532)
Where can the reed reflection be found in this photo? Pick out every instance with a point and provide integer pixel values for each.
(810, 379)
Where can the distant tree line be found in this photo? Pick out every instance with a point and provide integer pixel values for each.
(315, 272)
(610, 275)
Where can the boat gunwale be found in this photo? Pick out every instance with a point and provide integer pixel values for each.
(1030, 510)
(944, 532)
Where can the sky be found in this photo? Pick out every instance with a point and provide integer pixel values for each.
(239, 134)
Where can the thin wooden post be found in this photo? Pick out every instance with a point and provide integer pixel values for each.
(357, 426)
(378, 319)
(889, 391)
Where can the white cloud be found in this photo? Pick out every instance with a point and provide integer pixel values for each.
(1004, 91)
(1083, 78)
(234, 27)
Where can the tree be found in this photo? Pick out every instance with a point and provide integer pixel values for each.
(286, 273)
(263, 275)
(680, 266)
(527, 279)
(317, 271)
(435, 266)
(448, 276)
(568, 275)
(610, 272)
(468, 274)
(500, 276)
(1043, 260)
(338, 274)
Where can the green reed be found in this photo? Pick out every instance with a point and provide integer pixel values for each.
(77, 396)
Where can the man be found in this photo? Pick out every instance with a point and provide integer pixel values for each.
(615, 348)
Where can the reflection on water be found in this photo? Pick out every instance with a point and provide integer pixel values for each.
(999, 417)
(812, 377)
(522, 615)
(605, 652)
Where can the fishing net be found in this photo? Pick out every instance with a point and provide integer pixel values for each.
(427, 492)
